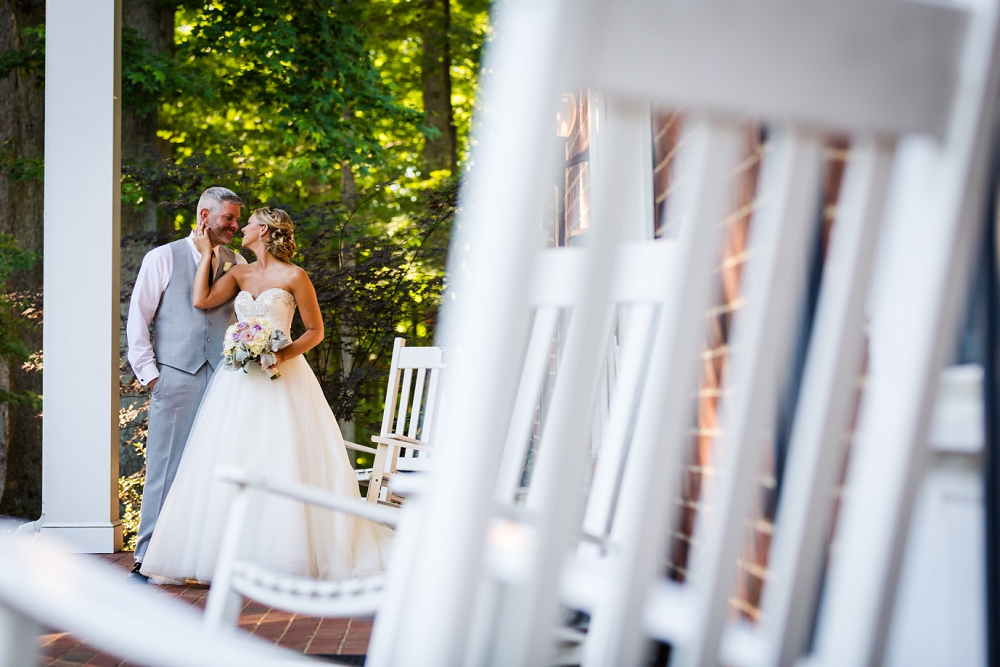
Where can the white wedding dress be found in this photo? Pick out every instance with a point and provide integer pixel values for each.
(283, 429)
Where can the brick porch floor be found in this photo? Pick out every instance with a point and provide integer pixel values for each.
(327, 637)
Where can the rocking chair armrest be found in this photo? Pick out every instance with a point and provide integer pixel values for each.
(312, 495)
(43, 585)
(404, 442)
(360, 448)
(406, 438)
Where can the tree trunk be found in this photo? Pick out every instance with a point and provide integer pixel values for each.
(348, 186)
(22, 124)
(7, 87)
(349, 198)
(154, 21)
(439, 152)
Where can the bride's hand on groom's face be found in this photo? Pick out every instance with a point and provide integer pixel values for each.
(201, 239)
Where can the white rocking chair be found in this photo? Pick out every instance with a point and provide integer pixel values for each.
(235, 578)
(404, 442)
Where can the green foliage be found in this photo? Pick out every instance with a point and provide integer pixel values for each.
(296, 93)
(175, 187)
(151, 78)
(130, 503)
(19, 168)
(16, 315)
(373, 284)
(30, 58)
(396, 29)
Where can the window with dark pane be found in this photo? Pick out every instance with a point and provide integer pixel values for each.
(573, 126)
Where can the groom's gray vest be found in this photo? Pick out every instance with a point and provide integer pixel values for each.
(186, 337)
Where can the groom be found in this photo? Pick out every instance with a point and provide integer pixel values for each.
(187, 346)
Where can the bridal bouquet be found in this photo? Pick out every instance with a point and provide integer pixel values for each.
(252, 340)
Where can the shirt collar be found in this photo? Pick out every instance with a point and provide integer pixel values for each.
(190, 240)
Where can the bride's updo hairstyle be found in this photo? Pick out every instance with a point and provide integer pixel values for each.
(280, 240)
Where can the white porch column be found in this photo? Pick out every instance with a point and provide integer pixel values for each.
(82, 185)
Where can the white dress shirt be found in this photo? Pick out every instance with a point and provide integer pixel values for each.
(154, 274)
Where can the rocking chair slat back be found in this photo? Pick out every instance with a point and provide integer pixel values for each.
(528, 397)
(430, 411)
(412, 399)
(410, 402)
(404, 401)
(817, 444)
(418, 393)
(641, 285)
(649, 486)
(781, 237)
(392, 387)
(552, 295)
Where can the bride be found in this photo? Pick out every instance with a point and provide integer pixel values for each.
(282, 428)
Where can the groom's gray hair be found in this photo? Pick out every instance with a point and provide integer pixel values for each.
(212, 197)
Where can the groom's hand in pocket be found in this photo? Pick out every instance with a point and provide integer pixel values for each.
(152, 383)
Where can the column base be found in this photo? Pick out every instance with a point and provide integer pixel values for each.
(86, 537)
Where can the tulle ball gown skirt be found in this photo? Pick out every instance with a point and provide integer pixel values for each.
(284, 430)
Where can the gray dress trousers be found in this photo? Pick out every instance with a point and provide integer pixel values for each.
(172, 408)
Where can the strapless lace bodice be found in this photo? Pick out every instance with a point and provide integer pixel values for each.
(274, 305)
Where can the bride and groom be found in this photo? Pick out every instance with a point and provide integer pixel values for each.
(201, 418)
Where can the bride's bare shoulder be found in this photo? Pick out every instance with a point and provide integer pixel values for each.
(238, 271)
(296, 273)
(299, 281)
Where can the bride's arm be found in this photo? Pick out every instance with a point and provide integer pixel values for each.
(312, 318)
(224, 289)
